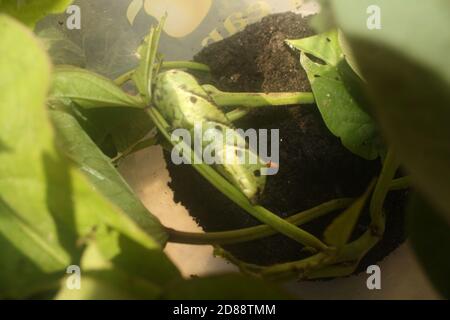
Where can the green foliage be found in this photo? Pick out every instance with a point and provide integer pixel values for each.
(89, 90)
(338, 233)
(29, 239)
(31, 11)
(342, 112)
(145, 73)
(121, 127)
(407, 71)
(61, 49)
(408, 75)
(62, 203)
(47, 206)
(115, 267)
(121, 118)
(102, 280)
(76, 144)
(430, 238)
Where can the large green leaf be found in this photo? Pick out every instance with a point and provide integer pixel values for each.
(31, 11)
(225, 287)
(89, 90)
(100, 279)
(338, 233)
(61, 48)
(115, 267)
(30, 170)
(430, 238)
(340, 107)
(47, 207)
(124, 126)
(102, 174)
(406, 66)
(106, 112)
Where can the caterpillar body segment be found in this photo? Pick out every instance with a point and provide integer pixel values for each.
(185, 104)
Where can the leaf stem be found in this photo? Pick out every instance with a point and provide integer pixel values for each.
(390, 167)
(191, 65)
(237, 114)
(400, 184)
(255, 100)
(220, 183)
(254, 233)
(262, 231)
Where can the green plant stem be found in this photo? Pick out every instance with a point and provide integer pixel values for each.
(342, 263)
(255, 100)
(138, 146)
(124, 78)
(254, 233)
(191, 65)
(237, 114)
(390, 167)
(259, 232)
(400, 184)
(345, 261)
(226, 188)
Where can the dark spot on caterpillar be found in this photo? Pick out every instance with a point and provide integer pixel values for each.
(183, 87)
(316, 76)
(219, 128)
(238, 152)
(158, 97)
(194, 99)
(257, 173)
(328, 39)
(213, 153)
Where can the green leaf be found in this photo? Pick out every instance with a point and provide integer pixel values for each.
(116, 267)
(341, 110)
(102, 174)
(100, 279)
(125, 126)
(61, 48)
(89, 90)
(430, 238)
(46, 205)
(225, 287)
(30, 170)
(31, 11)
(141, 76)
(338, 233)
(324, 46)
(408, 75)
(145, 72)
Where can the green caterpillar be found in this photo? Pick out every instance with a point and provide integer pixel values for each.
(184, 103)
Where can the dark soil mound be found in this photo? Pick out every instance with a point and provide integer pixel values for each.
(314, 166)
